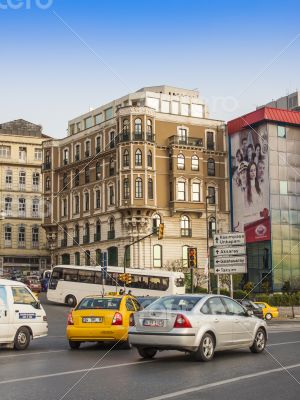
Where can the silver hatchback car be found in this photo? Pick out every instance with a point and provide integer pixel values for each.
(199, 324)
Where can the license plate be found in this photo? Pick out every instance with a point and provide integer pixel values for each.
(92, 319)
(154, 322)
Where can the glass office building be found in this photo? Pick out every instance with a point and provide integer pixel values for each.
(265, 194)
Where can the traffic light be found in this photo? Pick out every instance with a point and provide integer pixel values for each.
(161, 231)
(122, 277)
(192, 257)
(128, 279)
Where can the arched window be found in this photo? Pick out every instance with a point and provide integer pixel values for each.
(22, 207)
(65, 259)
(138, 158)
(150, 188)
(35, 208)
(211, 167)
(86, 233)
(35, 236)
(112, 140)
(126, 158)
(180, 161)
(185, 226)
(126, 126)
(138, 127)
(210, 140)
(211, 227)
(149, 158)
(156, 220)
(157, 256)
(98, 231)
(149, 127)
(7, 235)
(86, 201)
(126, 189)
(66, 156)
(76, 235)
(195, 163)
(97, 198)
(22, 236)
(138, 188)
(87, 257)
(8, 206)
(48, 183)
(212, 195)
(98, 171)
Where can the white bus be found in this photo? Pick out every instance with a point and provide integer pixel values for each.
(69, 284)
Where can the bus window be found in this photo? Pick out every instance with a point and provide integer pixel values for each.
(139, 282)
(71, 275)
(86, 276)
(157, 283)
(164, 283)
(57, 274)
(179, 282)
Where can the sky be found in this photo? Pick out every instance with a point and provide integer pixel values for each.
(59, 58)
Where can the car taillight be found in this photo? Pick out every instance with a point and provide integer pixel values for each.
(182, 322)
(131, 320)
(70, 319)
(117, 319)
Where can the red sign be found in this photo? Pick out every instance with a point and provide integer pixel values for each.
(258, 231)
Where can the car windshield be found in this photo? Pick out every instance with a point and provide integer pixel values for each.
(91, 303)
(175, 303)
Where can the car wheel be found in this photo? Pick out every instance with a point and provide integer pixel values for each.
(268, 317)
(260, 341)
(22, 339)
(146, 352)
(74, 345)
(206, 348)
(71, 300)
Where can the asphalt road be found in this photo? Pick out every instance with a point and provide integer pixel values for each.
(49, 370)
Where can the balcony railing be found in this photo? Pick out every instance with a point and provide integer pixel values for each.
(8, 213)
(22, 186)
(22, 214)
(150, 137)
(138, 136)
(186, 232)
(21, 245)
(8, 185)
(76, 241)
(47, 165)
(195, 142)
(86, 239)
(124, 137)
(64, 243)
(97, 237)
(35, 245)
(7, 243)
(210, 145)
(35, 214)
(35, 188)
(111, 234)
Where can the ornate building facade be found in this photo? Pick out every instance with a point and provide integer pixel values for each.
(152, 156)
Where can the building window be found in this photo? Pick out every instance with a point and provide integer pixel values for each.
(88, 122)
(281, 131)
(150, 189)
(22, 153)
(86, 233)
(48, 183)
(182, 136)
(47, 157)
(196, 191)
(87, 174)
(156, 220)
(138, 188)
(211, 227)
(76, 204)
(21, 236)
(180, 161)
(210, 144)
(211, 167)
(149, 159)
(86, 201)
(111, 195)
(181, 191)
(35, 236)
(283, 187)
(157, 256)
(98, 144)
(77, 152)
(212, 195)
(7, 235)
(87, 257)
(112, 140)
(111, 167)
(22, 180)
(98, 231)
(64, 208)
(76, 177)
(76, 235)
(126, 188)
(35, 181)
(138, 158)
(149, 127)
(22, 207)
(98, 198)
(7, 206)
(87, 148)
(65, 181)
(126, 126)
(195, 163)
(5, 151)
(38, 154)
(8, 179)
(138, 127)
(126, 158)
(111, 224)
(98, 171)
(77, 258)
(66, 156)
(35, 208)
(185, 226)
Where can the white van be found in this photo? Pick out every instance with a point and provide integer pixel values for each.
(21, 315)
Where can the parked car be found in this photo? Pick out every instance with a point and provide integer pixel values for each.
(33, 283)
(199, 324)
(22, 317)
(269, 312)
(250, 305)
(100, 319)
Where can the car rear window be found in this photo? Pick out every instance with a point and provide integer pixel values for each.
(175, 303)
(99, 304)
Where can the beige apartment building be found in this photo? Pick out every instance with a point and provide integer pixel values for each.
(150, 157)
(22, 241)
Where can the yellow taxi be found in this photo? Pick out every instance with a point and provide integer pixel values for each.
(100, 319)
(269, 311)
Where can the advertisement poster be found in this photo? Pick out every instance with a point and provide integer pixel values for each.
(250, 185)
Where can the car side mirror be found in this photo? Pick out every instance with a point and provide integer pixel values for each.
(37, 305)
(249, 313)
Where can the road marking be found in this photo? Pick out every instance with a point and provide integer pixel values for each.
(270, 331)
(78, 371)
(219, 383)
(33, 353)
(279, 344)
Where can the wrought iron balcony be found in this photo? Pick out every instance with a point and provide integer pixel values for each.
(97, 237)
(124, 137)
(195, 142)
(111, 234)
(138, 136)
(86, 239)
(46, 165)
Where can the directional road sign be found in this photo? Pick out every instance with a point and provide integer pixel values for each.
(230, 261)
(229, 251)
(229, 239)
(238, 269)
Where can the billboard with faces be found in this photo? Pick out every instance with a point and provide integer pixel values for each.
(250, 184)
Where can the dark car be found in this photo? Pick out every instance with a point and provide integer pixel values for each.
(145, 301)
(249, 305)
